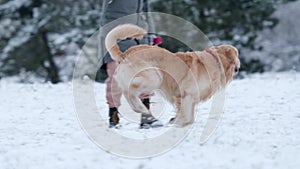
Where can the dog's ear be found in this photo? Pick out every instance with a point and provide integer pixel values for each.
(214, 48)
(231, 54)
(232, 57)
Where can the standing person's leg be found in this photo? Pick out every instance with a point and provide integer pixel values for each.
(113, 94)
(148, 121)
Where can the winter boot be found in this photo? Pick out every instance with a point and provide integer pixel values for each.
(148, 121)
(113, 117)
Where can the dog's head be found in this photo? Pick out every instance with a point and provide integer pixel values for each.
(229, 56)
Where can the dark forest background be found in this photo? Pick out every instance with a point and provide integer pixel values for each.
(41, 38)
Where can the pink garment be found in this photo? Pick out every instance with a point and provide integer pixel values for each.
(157, 41)
(113, 92)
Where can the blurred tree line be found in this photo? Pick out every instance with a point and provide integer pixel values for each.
(40, 36)
(43, 37)
(236, 22)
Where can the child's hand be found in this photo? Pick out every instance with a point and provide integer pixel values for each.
(157, 40)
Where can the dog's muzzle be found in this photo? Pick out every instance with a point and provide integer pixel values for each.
(236, 69)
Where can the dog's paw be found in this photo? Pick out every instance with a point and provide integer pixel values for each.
(182, 122)
(172, 120)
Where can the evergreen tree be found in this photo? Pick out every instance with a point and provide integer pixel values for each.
(232, 21)
(33, 33)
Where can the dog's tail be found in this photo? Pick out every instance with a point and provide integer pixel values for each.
(120, 33)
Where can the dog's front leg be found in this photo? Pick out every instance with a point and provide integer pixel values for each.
(177, 102)
(185, 112)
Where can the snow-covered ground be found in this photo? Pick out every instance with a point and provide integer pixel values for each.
(259, 130)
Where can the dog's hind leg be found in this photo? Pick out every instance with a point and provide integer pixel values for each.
(143, 83)
(135, 102)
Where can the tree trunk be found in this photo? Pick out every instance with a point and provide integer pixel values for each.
(51, 68)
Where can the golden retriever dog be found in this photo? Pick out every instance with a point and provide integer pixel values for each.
(186, 79)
